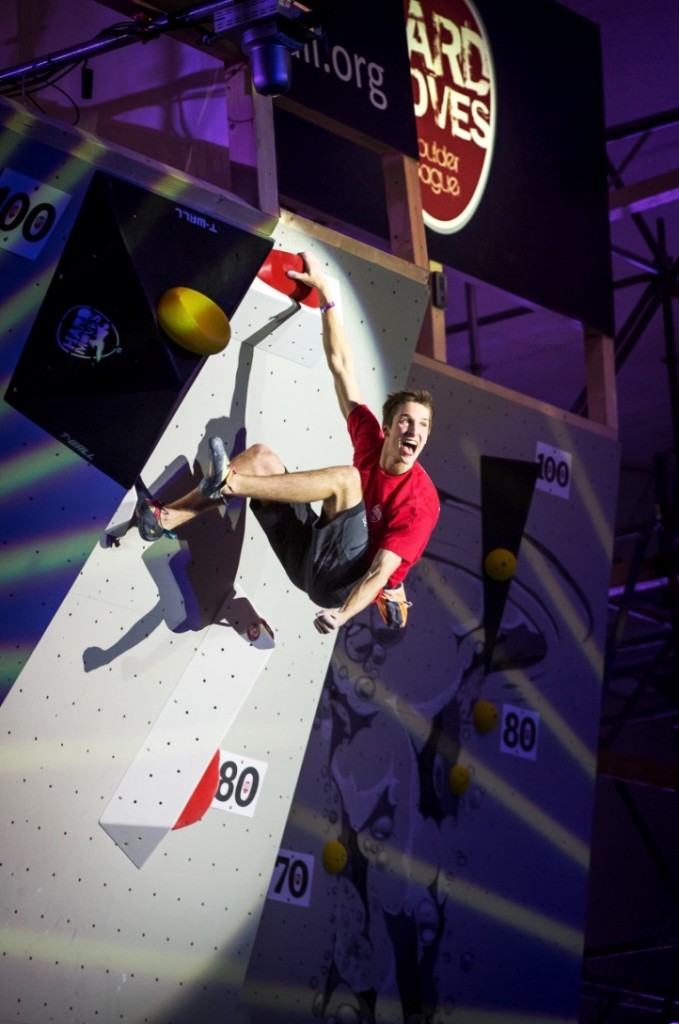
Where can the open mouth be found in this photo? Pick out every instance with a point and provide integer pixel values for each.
(410, 446)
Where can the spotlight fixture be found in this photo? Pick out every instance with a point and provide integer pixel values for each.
(268, 32)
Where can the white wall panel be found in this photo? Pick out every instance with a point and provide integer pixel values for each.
(87, 934)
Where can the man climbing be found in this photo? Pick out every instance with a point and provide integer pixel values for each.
(376, 515)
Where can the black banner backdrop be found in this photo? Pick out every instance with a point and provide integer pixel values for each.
(358, 73)
(539, 228)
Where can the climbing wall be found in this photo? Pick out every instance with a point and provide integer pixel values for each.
(167, 684)
(166, 701)
(434, 865)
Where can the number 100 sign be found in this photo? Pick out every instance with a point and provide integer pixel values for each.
(555, 467)
(29, 210)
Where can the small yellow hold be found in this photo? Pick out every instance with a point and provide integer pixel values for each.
(485, 716)
(194, 321)
(459, 778)
(500, 564)
(334, 857)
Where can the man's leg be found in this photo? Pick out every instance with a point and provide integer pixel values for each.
(259, 473)
(337, 487)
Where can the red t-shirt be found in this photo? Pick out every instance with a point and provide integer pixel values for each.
(402, 510)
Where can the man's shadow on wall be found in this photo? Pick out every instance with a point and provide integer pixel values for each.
(196, 582)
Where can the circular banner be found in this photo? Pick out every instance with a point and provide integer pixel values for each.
(455, 101)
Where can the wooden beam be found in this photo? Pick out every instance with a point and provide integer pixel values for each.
(251, 144)
(639, 770)
(223, 48)
(409, 241)
(652, 574)
(432, 340)
(644, 195)
(404, 208)
(602, 396)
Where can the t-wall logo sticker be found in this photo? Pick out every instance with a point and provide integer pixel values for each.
(29, 210)
(455, 101)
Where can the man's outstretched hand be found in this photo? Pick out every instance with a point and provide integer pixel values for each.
(328, 620)
(313, 275)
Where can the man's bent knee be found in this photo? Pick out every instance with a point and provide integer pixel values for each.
(348, 490)
(258, 460)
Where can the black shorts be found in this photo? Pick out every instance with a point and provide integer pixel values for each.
(324, 559)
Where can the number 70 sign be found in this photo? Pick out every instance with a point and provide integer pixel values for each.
(292, 877)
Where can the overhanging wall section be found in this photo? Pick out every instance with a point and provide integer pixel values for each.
(460, 795)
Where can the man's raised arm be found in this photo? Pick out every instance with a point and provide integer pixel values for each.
(335, 345)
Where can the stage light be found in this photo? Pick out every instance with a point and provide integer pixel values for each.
(269, 50)
(268, 32)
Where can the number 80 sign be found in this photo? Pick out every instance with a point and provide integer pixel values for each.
(519, 734)
(240, 779)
